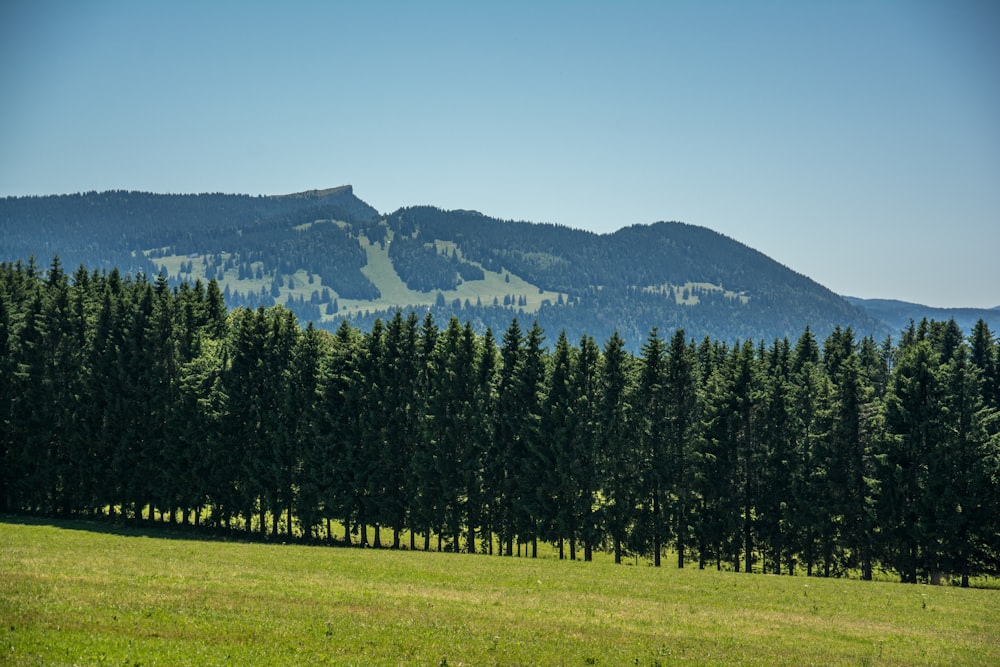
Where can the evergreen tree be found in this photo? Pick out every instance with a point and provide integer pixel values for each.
(6, 400)
(403, 406)
(809, 409)
(963, 474)
(338, 462)
(425, 491)
(984, 356)
(586, 390)
(717, 480)
(555, 500)
(372, 453)
(651, 400)
(616, 461)
(506, 428)
(913, 416)
(450, 424)
(484, 443)
(682, 415)
(527, 455)
(782, 468)
(301, 492)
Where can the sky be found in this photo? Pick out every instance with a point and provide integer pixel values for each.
(857, 143)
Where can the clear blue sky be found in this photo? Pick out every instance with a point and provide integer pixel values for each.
(855, 142)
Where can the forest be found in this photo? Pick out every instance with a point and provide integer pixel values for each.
(130, 398)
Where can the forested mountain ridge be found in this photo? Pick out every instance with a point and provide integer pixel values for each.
(329, 256)
(898, 314)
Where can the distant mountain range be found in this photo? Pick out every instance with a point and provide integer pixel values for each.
(898, 314)
(329, 256)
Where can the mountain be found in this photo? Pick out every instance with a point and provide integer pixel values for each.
(899, 314)
(328, 255)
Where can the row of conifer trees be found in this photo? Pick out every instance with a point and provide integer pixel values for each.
(126, 397)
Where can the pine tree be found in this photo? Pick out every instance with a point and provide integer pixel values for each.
(403, 406)
(682, 413)
(913, 418)
(302, 492)
(555, 503)
(339, 459)
(985, 357)
(962, 473)
(527, 459)
(425, 490)
(651, 402)
(373, 443)
(782, 467)
(616, 462)
(586, 390)
(29, 412)
(449, 426)
(486, 407)
(505, 428)
(6, 400)
(717, 482)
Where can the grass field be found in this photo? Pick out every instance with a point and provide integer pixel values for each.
(82, 594)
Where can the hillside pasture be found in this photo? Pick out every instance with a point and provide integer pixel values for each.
(82, 593)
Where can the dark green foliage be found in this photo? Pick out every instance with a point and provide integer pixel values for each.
(127, 397)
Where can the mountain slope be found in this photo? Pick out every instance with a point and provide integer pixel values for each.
(899, 314)
(329, 255)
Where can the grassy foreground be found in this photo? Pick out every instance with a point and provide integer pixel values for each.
(71, 594)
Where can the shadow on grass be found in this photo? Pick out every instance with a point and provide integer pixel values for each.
(161, 530)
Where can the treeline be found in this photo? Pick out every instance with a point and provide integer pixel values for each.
(127, 397)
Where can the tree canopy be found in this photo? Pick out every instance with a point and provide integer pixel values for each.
(124, 396)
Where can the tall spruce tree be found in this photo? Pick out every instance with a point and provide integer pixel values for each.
(586, 467)
(652, 528)
(782, 467)
(556, 482)
(913, 416)
(500, 469)
(681, 430)
(616, 461)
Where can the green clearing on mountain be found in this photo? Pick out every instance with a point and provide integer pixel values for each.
(76, 593)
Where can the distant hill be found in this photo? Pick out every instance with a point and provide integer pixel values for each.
(898, 314)
(328, 255)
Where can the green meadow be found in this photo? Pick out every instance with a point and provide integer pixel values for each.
(76, 593)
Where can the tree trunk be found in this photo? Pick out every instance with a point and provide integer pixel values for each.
(748, 537)
(656, 530)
